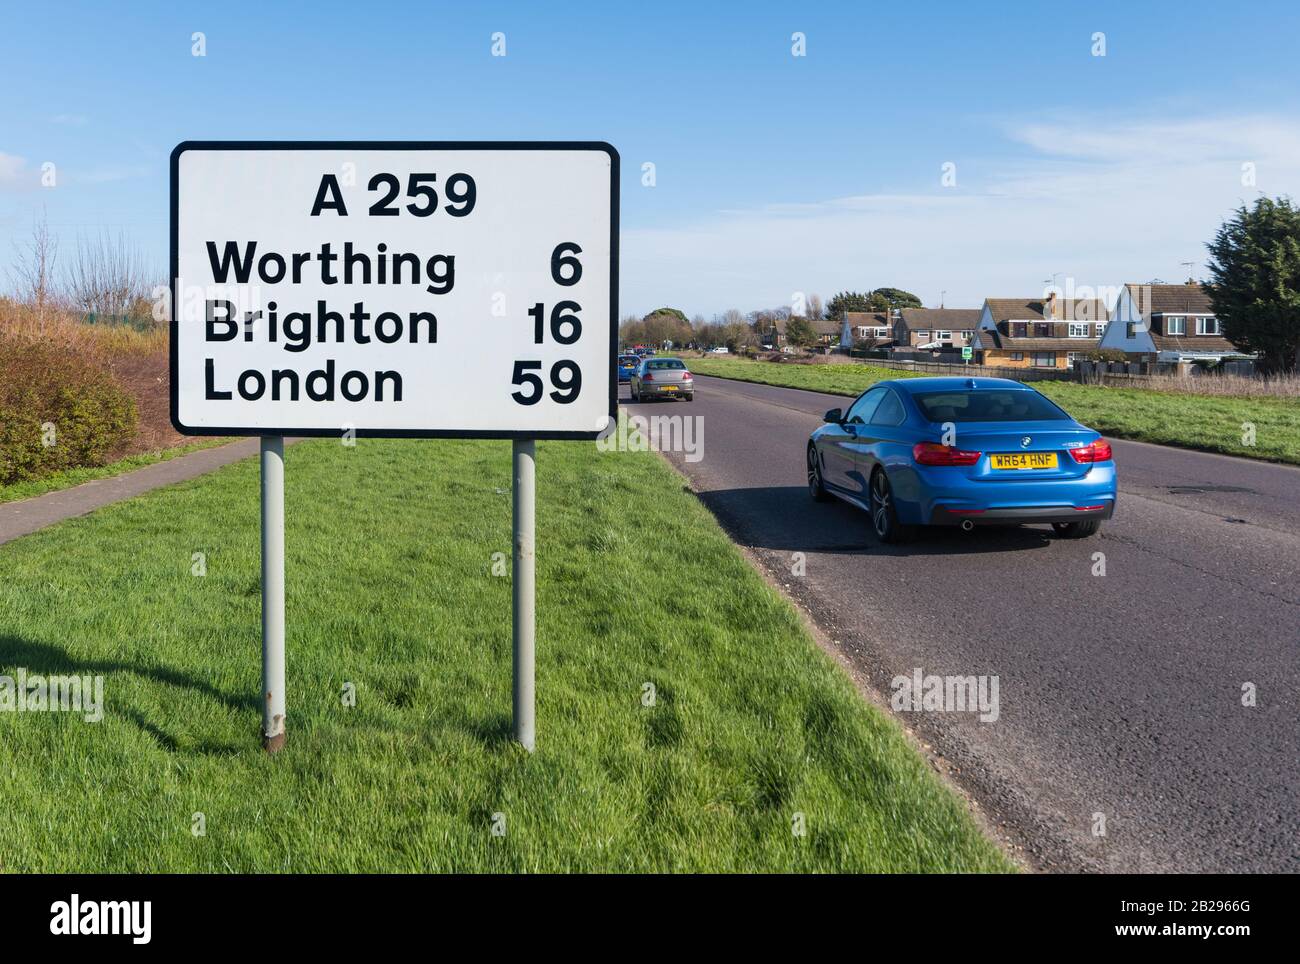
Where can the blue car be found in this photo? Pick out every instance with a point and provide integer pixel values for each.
(626, 365)
(965, 452)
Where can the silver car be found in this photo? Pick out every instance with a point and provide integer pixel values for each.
(662, 378)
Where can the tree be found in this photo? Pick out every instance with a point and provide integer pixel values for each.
(33, 270)
(675, 312)
(666, 325)
(1255, 282)
(847, 301)
(882, 299)
(800, 333)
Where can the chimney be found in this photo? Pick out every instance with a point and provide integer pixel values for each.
(1051, 306)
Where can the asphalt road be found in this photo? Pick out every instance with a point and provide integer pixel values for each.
(1119, 694)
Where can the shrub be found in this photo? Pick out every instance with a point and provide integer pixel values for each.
(47, 387)
(1106, 355)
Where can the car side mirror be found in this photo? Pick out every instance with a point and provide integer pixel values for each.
(834, 415)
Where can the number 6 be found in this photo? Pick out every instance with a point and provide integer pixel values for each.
(559, 259)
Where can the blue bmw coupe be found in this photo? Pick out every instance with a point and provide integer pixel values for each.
(962, 451)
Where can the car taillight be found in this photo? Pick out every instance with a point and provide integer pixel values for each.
(647, 377)
(932, 453)
(686, 376)
(1098, 451)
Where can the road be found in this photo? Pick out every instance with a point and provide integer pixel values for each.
(1120, 694)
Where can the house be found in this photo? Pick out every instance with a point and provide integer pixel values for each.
(771, 332)
(919, 328)
(1046, 332)
(1167, 323)
(872, 327)
(828, 331)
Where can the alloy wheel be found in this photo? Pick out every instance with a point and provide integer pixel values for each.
(880, 503)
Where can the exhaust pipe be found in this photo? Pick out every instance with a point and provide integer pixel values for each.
(967, 525)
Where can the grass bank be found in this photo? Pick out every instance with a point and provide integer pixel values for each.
(1210, 423)
(390, 555)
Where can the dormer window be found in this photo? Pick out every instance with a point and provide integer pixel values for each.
(1175, 325)
(1208, 326)
(1079, 329)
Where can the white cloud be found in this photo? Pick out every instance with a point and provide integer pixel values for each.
(11, 169)
(1098, 200)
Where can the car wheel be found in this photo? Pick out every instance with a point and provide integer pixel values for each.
(884, 518)
(1077, 530)
(815, 487)
(690, 397)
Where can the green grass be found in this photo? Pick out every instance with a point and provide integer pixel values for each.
(67, 479)
(1208, 423)
(390, 587)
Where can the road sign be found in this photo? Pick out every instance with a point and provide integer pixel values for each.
(394, 289)
(966, 353)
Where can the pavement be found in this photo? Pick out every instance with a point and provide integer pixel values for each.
(28, 515)
(1122, 742)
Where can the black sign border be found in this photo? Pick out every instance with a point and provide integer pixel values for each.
(250, 432)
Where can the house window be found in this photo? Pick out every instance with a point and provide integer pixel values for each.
(1042, 329)
(1131, 329)
(1017, 356)
(1208, 326)
(1018, 329)
(1101, 328)
(943, 335)
(968, 334)
(882, 332)
(1044, 359)
(1175, 325)
(1071, 357)
(923, 334)
(1078, 330)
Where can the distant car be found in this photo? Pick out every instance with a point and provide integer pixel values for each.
(720, 350)
(626, 365)
(662, 378)
(962, 451)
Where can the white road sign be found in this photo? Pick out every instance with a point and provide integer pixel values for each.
(394, 289)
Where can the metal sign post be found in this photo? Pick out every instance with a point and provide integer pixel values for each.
(524, 470)
(272, 593)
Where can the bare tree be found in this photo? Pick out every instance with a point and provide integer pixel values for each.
(32, 273)
(108, 277)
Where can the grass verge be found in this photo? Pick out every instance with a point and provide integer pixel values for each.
(390, 554)
(1208, 423)
(70, 477)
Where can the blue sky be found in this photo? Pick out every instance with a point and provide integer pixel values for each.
(774, 174)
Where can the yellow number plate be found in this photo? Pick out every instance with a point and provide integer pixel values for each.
(670, 388)
(1023, 460)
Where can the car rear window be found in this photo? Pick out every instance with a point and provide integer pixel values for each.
(987, 405)
(662, 363)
